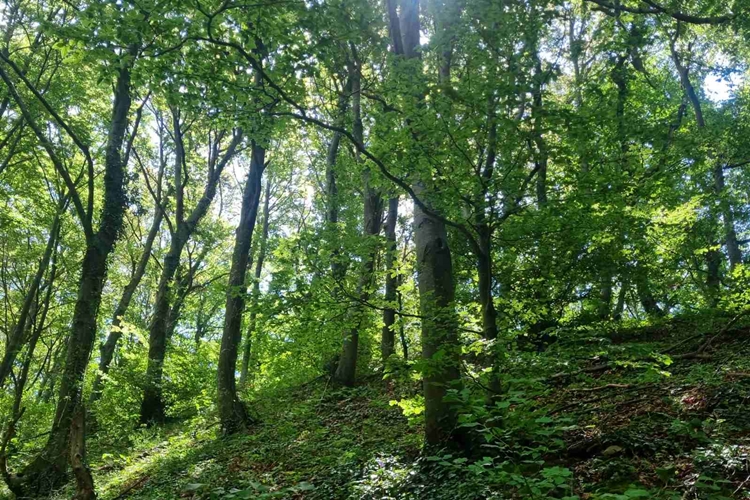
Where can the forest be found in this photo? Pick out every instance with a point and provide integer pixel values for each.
(375, 249)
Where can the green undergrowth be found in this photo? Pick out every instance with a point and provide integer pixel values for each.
(602, 414)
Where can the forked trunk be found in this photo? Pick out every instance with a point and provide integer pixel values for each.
(48, 469)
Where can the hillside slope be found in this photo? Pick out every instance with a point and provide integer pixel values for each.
(600, 414)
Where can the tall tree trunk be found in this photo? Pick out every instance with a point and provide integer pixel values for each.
(713, 257)
(16, 339)
(232, 412)
(401, 329)
(485, 231)
(387, 341)
(440, 349)
(256, 286)
(373, 215)
(483, 256)
(152, 406)
(541, 156)
(48, 469)
(730, 234)
(605, 296)
(621, 296)
(347, 366)
(338, 269)
(484, 268)
(107, 349)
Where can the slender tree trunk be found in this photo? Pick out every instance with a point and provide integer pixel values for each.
(107, 349)
(401, 330)
(713, 275)
(648, 302)
(730, 234)
(373, 202)
(621, 296)
(347, 367)
(484, 268)
(48, 469)
(605, 297)
(232, 411)
(16, 338)
(541, 155)
(152, 406)
(713, 257)
(391, 282)
(256, 286)
(338, 269)
(35, 331)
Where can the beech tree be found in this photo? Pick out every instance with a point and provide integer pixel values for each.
(454, 194)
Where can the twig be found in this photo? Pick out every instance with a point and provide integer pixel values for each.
(602, 387)
(132, 487)
(741, 485)
(698, 353)
(592, 369)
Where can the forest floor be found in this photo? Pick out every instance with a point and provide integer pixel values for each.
(628, 413)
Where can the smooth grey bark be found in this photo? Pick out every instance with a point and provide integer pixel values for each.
(440, 349)
(232, 411)
(256, 286)
(152, 406)
(387, 341)
(373, 216)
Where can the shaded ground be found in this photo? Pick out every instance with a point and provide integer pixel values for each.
(599, 414)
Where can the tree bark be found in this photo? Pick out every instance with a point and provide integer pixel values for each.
(373, 215)
(152, 406)
(347, 366)
(256, 286)
(440, 349)
(387, 342)
(713, 257)
(605, 297)
(648, 302)
(541, 156)
(730, 234)
(107, 349)
(16, 339)
(48, 469)
(621, 296)
(232, 411)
